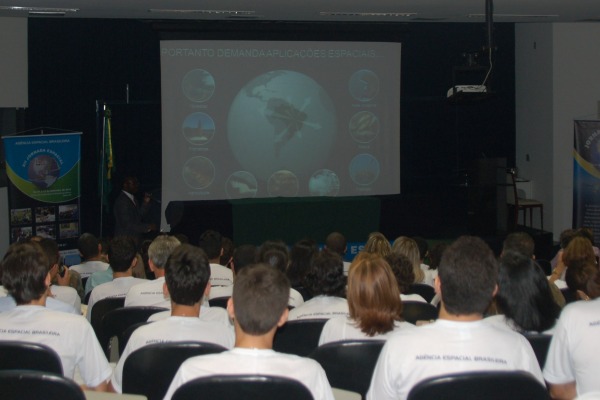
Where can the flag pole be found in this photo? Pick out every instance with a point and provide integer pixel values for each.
(102, 172)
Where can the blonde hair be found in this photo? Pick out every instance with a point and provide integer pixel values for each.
(408, 247)
(373, 296)
(578, 251)
(378, 244)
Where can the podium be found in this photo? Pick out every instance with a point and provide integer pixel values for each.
(487, 211)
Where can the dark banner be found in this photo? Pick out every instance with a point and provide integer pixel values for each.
(44, 187)
(586, 176)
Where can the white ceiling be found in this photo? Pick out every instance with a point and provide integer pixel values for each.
(312, 10)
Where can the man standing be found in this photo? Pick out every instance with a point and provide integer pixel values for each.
(128, 215)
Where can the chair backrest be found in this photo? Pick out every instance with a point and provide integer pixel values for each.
(489, 385)
(512, 196)
(349, 364)
(149, 370)
(413, 311)
(116, 322)
(299, 337)
(29, 356)
(19, 385)
(219, 302)
(99, 309)
(425, 291)
(540, 344)
(242, 387)
(128, 332)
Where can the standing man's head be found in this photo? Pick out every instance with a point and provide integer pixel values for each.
(122, 254)
(25, 272)
(467, 277)
(187, 273)
(89, 246)
(336, 242)
(520, 242)
(159, 251)
(211, 243)
(131, 184)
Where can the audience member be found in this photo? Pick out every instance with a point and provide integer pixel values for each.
(279, 259)
(565, 238)
(61, 290)
(301, 254)
(211, 243)
(336, 242)
(243, 256)
(578, 251)
(581, 278)
(404, 273)
(430, 273)
(90, 251)
(186, 276)
(435, 254)
(258, 307)
(459, 341)
(26, 278)
(373, 302)
(228, 247)
(326, 283)
(378, 244)
(408, 247)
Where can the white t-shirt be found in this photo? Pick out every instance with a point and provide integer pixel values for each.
(71, 336)
(346, 267)
(173, 329)
(87, 268)
(116, 288)
(3, 291)
(227, 291)
(344, 328)
(323, 307)
(217, 314)
(574, 349)
(445, 347)
(66, 294)
(9, 303)
(296, 298)
(501, 321)
(220, 275)
(430, 274)
(148, 293)
(255, 362)
(412, 297)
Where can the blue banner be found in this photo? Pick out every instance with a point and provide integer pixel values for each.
(586, 176)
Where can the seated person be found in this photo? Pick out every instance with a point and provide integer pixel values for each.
(186, 278)
(404, 273)
(26, 278)
(61, 290)
(572, 365)
(377, 244)
(279, 259)
(150, 293)
(524, 300)
(326, 284)
(374, 303)
(212, 244)
(301, 255)
(122, 257)
(458, 341)
(337, 243)
(408, 247)
(258, 307)
(90, 251)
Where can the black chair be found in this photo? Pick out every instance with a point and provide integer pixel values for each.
(19, 385)
(489, 385)
(128, 332)
(570, 295)
(149, 370)
(99, 309)
(299, 337)
(29, 356)
(413, 311)
(425, 291)
(242, 387)
(540, 344)
(219, 302)
(116, 322)
(349, 364)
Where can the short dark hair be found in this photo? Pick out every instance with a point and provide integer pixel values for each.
(275, 258)
(270, 245)
(300, 256)
(565, 237)
(211, 243)
(468, 273)
(336, 242)
(260, 296)
(50, 248)
(121, 252)
(524, 295)
(435, 254)
(326, 275)
(243, 256)
(87, 244)
(584, 276)
(403, 270)
(24, 272)
(520, 242)
(187, 272)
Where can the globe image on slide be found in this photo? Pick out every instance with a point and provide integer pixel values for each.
(281, 120)
(43, 171)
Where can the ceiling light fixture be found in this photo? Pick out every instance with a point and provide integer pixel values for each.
(365, 14)
(515, 15)
(208, 12)
(39, 10)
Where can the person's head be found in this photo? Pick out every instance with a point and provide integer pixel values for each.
(587, 233)
(300, 255)
(565, 237)
(524, 294)
(336, 242)
(228, 246)
(578, 251)
(373, 296)
(584, 278)
(423, 247)
(467, 276)
(403, 270)
(131, 184)
(182, 237)
(121, 253)
(187, 273)
(160, 249)
(378, 244)
(276, 245)
(50, 249)
(211, 243)
(25, 273)
(326, 275)
(520, 242)
(435, 254)
(259, 300)
(409, 247)
(275, 258)
(88, 246)
(243, 256)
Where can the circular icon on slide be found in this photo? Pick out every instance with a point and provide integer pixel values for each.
(198, 172)
(198, 128)
(198, 85)
(283, 184)
(43, 171)
(324, 182)
(240, 185)
(364, 85)
(364, 169)
(364, 126)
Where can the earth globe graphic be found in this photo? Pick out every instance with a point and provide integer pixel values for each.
(43, 171)
(281, 120)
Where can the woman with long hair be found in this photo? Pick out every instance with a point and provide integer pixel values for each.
(408, 247)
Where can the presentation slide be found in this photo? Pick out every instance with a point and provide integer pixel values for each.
(259, 119)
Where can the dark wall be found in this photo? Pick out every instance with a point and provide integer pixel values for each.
(73, 63)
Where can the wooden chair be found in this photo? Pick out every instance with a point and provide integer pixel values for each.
(520, 204)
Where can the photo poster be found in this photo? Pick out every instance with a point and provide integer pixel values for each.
(44, 188)
(586, 175)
